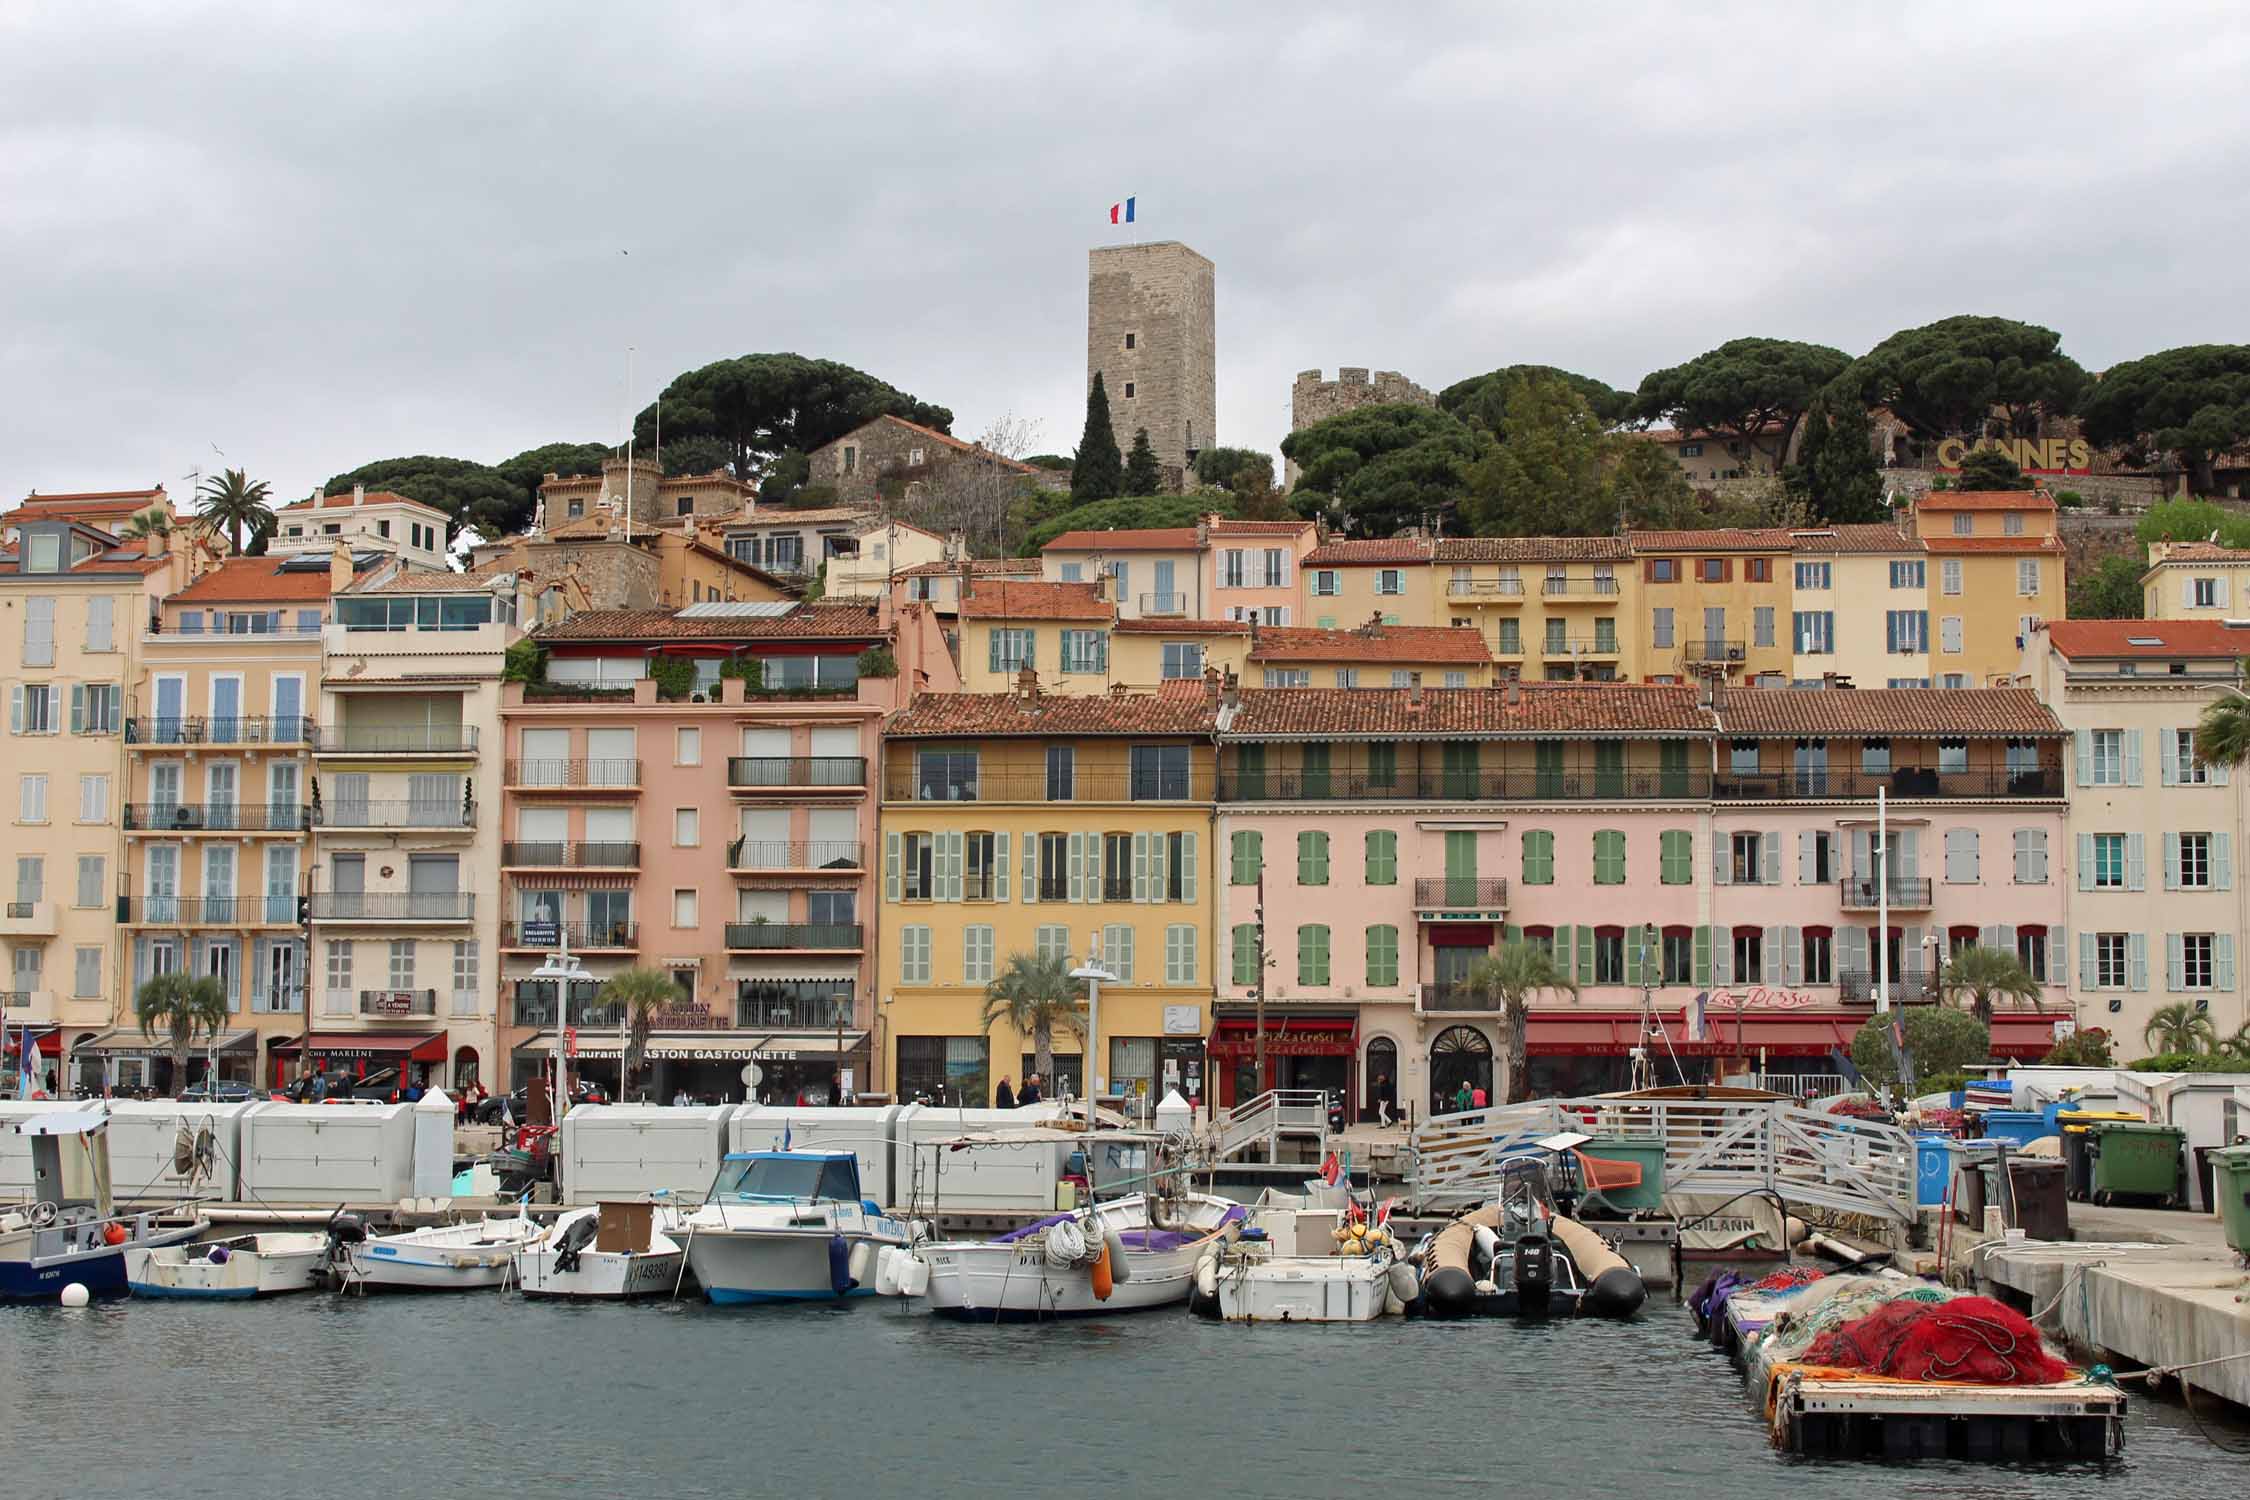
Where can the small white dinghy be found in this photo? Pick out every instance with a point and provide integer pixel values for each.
(1122, 1256)
(611, 1250)
(440, 1258)
(1303, 1260)
(249, 1265)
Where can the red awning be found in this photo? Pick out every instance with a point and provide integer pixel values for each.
(1461, 935)
(49, 1043)
(2022, 1034)
(424, 1047)
(1287, 1036)
(1797, 1033)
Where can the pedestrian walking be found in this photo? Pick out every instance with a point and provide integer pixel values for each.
(1004, 1097)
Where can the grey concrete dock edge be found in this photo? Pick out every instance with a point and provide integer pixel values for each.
(2144, 1303)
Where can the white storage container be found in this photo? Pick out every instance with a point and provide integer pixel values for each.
(328, 1153)
(15, 1150)
(624, 1150)
(142, 1134)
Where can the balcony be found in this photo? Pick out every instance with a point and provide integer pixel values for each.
(398, 1005)
(1908, 986)
(571, 856)
(584, 937)
(796, 773)
(209, 911)
(30, 919)
(1900, 892)
(1712, 650)
(1463, 786)
(901, 785)
(41, 1001)
(449, 815)
(534, 1005)
(820, 856)
(1579, 645)
(1457, 997)
(356, 739)
(1578, 590)
(813, 1011)
(393, 906)
(1904, 784)
(573, 775)
(289, 1002)
(1464, 893)
(1499, 590)
(237, 732)
(216, 817)
(1163, 605)
(758, 937)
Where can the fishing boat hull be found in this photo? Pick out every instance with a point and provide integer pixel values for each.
(255, 1265)
(1001, 1281)
(611, 1275)
(1305, 1289)
(36, 1264)
(453, 1260)
(747, 1263)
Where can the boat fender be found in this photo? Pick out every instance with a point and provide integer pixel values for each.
(1392, 1306)
(1487, 1245)
(840, 1265)
(886, 1271)
(863, 1263)
(1448, 1292)
(115, 1234)
(1405, 1285)
(219, 1255)
(1066, 1244)
(1103, 1285)
(1534, 1274)
(913, 1275)
(76, 1295)
(1794, 1231)
(1616, 1293)
(1120, 1270)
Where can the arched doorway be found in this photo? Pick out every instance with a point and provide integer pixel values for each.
(1459, 1054)
(1381, 1075)
(464, 1068)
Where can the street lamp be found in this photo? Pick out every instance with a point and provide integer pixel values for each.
(1093, 973)
(565, 971)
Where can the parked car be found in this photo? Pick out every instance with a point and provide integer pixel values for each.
(518, 1104)
(225, 1091)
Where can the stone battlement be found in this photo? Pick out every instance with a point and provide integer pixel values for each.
(1312, 399)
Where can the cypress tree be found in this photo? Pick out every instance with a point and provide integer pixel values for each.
(1835, 473)
(1142, 476)
(1098, 473)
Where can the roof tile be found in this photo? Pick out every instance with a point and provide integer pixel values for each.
(1183, 627)
(1966, 713)
(828, 621)
(1713, 539)
(1370, 643)
(1949, 543)
(255, 580)
(990, 715)
(1025, 599)
(1142, 539)
(1951, 500)
(1370, 552)
(1869, 537)
(2145, 639)
(1534, 709)
(1532, 549)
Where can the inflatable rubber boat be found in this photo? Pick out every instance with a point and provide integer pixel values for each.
(1523, 1258)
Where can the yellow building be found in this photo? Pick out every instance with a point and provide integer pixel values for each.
(1059, 630)
(1374, 655)
(1548, 607)
(1046, 826)
(1347, 582)
(1842, 579)
(1146, 653)
(887, 547)
(2195, 581)
(1995, 570)
(1714, 598)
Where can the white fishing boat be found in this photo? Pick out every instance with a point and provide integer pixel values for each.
(787, 1226)
(1123, 1256)
(1303, 1260)
(68, 1233)
(249, 1265)
(612, 1250)
(443, 1257)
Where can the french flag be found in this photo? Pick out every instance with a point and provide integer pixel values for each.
(1121, 213)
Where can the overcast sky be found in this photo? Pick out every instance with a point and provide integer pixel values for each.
(310, 236)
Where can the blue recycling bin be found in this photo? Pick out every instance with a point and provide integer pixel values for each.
(1933, 1167)
(2018, 1127)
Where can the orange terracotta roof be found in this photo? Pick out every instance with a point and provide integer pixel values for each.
(139, 499)
(432, 581)
(1716, 539)
(1946, 543)
(1525, 709)
(1953, 713)
(841, 620)
(255, 580)
(1871, 536)
(1223, 527)
(1144, 539)
(1021, 567)
(992, 715)
(1380, 643)
(1023, 599)
(1183, 627)
(1949, 500)
(2145, 639)
(103, 508)
(1370, 552)
(2206, 552)
(1532, 549)
(781, 516)
(343, 501)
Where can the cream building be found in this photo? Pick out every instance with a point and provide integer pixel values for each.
(2195, 581)
(2152, 899)
(365, 521)
(1842, 578)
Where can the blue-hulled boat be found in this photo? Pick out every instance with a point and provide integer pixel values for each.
(69, 1233)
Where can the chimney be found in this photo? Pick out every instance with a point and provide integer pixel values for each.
(1513, 697)
(158, 543)
(1203, 532)
(339, 566)
(1828, 679)
(1231, 695)
(1027, 687)
(359, 494)
(1414, 690)
(1211, 685)
(1374, 625)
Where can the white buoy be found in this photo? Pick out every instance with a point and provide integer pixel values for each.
(76, 1295)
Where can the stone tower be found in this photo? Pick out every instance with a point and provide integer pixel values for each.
(1313, 399)
(1152, 336)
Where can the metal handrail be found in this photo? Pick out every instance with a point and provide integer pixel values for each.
(1163, 604)
(220, 817)
(1341, 785)
(1858, 892)
(1438, 892)
(1902, 782)
(569, 854)
(352, 739)
(216, 911)
(533, 775)
(762, 772)
(583, 936)
(746, 853)
(753, 936)
(235, 729)
(391, 813)
(393, 906)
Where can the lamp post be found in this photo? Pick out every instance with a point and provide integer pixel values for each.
(1093, 973)
(564, 970)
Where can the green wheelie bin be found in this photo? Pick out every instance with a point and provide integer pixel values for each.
(2140, 1162)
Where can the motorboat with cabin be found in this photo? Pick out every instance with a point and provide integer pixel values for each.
(787, 1226)
(611, 1250)
(68, 1233)
(248, 1265)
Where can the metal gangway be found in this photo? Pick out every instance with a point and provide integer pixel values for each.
(1800, 1155)
(1270, 1118)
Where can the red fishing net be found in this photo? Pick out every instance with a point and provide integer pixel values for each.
(1785, 1278)
(1973, 1340)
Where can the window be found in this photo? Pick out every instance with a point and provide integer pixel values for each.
(1390, 580)
(2109, 861)
(1815, 631)
(1312, 954)
(37, 708)
(402, 962)
(2110, 952)
(92, 870)
(1288, 677)
(983, 861)
(1761, 626)
(919, 867)
(2031, 950)
(1326, 582)
(93, 797)
(1128, 390)
(1009, 649)
(2193, 865)
(2031, 856)
(1117, 951)
(1312, 858)
(339, 968)
(2027, 576)
(1347, 677)
(101, 623)
(1247, 858)
(1907, 631)
(1757, 570)
(1875, 757)
(94, 708)
(1749, 955)
(1117, 867)
(687, 747)
(686, 828)
(2194, 968)
(976, 954)
(1609, 955)
(1179, 954)
(2184, 769)
(914, 955)
(1963, 857)
(1813, 575)
(1963, 524)
(1663, 570)
(1679, 956)
(1051, 940)
(1609, 856)
(1711, 570)
(1382, 857)
(88, 978)
(1073, 572)
(1245, 954)
(1160, 773)
(1907, 575)
(1062, 767)
(1085, 651)
(1676, 856)
(1952, 755)
(1182, 659)
(1660, 628)
(1691, 450)
(2206, 591)
(1950, 573)
(1538, 857)
(946, 775)
(2106, 757)
(31, 798)
(1949, 634)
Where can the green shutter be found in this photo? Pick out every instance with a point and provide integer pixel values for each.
(1246, 954)
(1382, 955)
(1560, 946)
(1382, 857)
(1674, 760)
(1609, 770)
(1539, 857)
(1312, 954)
(1315, 778)
(1679, 856)
(1609, 856)
(1585, 955)
(1702, 955)
(1511, 934)
(1312, 859)
(1249, 856)
(1382, 767)
(1250, 771)
(1460, 762)
(1547, 759)
(1633, 955)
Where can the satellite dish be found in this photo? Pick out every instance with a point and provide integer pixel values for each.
(753, 1075)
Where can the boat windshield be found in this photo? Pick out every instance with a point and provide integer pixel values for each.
(1526, 1198)
(787, 1177)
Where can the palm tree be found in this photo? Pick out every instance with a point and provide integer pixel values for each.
(1981, 975)
(1510, 978)
(1034, 996)
(2238, 1045)
(233, 502)
(2180, 1027)
(181, 1005)
(143, 524)
(641, 992)
(2222, 735)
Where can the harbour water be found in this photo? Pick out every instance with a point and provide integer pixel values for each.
(411, 1395)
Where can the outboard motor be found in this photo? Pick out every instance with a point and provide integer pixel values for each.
(1535, 1275)
(347, 1229)
(574, 1241)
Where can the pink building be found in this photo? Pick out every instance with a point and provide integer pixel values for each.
(689, 791)
(1216, 569)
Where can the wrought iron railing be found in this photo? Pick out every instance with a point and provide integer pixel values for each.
(222, 729)
(1462, 785)
(764, 935)
(561, 775)
(1902, 782)
(216, 817)
(778, 854)
(434, 813)
(1866, 893)
(583, 936)
(773, 772)
(1459, 893)
(393, 906)
(568, 854)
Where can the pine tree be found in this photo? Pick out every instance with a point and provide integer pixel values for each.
(1142, 476)
(1099, 471)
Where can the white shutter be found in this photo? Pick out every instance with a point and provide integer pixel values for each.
(1851, 950)
(1989, 937)
(1771, 848)
(1078, 868)
(1140, 867)
(1722, 955)
(2083, 741)
(1805, 858)
(2171, 861)
(2007, 931)
(2175, 963)
(952, 851)
(2136, 862)
(2222, 861)
(1775, 941)
(1721, 873)
(892, 885)
(2089, 962)
(1792, 956)
(2168, 751)
(2132, 738)
(2136, 962)
(1000, 863)
(2222, 961)
(1188, 859)
(1030, 869)
(2085, 861)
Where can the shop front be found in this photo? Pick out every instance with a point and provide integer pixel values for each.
(711, 1066)
(1305, 1049)
(418, 1058)
(46, 1061)
(131, 1061)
